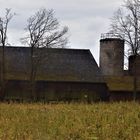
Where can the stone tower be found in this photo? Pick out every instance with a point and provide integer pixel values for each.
(111, 55)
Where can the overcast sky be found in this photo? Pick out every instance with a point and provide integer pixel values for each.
(86, 19)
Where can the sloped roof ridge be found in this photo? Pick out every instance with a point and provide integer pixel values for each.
(48, 48)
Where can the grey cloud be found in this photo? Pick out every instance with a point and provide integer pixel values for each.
(86, 19)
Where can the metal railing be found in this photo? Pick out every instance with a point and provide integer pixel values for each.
(111, 35)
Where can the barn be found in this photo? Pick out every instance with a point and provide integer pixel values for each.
(60, 75)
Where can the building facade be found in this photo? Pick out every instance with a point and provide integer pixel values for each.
(61, 75)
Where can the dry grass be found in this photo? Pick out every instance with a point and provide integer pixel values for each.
(117, 121)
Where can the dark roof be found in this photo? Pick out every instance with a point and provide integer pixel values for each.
(56, 64)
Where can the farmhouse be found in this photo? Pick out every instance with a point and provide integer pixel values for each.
(70, 74)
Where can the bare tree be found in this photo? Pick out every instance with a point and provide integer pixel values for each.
(126, 25)
(43, 32)
(4, 22)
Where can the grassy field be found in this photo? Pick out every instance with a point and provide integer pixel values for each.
(112, 121)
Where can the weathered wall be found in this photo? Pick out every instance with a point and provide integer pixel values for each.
(112, 56)
(56, 91)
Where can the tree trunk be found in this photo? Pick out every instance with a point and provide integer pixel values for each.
(33, 75)
(2, 74)
(135, 81)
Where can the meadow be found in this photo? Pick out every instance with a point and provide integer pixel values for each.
(75, 121)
